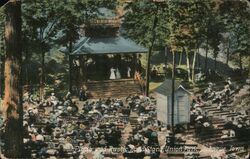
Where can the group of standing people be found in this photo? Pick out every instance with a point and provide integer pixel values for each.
(115, 73)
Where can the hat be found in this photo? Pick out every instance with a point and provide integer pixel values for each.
(154, 134)
(82, 126)
(95, 136)
(87, 134)
(60, 107)
(206, 124)
(131, 146)
(69, 108)
(109, 131)
(107, 123)
(102, 137)
(68, 139)
(57, 129)
(224, 132)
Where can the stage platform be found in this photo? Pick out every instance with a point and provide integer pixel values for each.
(113, 88)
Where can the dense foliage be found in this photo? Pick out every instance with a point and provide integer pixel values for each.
(216, 27)
(190, 26)
(48, 25)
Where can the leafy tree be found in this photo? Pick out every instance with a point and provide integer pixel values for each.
(39, 28)
(186, 28)
(51, 24)
(215, 42)
(209, 20)
(139, 21)
(236, 18)
(145, 22)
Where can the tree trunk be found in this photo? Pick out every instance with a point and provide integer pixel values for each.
(240, 62)
(2, 58)
(2, 76)
(198, 61)
(12, 104)
(148, 71)
(228, 52)
(188, 66)
(70, 66)
(26, 60)
(149, 55)
(166, 60)
(193, 66)
(206, 56)
(42, 78)
(180, 58)
(70, 72)
(215, 63)
(249, 70)
(173, 95)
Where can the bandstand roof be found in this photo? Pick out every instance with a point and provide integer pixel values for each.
(105, 45)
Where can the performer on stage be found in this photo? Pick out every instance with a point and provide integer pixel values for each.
(112, 73)
(128, 73)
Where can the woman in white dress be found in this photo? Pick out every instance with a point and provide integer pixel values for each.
(118, 74)
(112, 73)
(128, 73)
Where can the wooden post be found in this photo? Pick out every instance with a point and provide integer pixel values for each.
(81, 70)
(134, 62)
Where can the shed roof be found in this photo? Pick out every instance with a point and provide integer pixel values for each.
(105, 45)
(166, 87)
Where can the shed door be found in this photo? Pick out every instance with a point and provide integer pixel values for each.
(181, 109)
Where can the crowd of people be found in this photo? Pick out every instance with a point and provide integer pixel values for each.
(199, 117)
(220, 98)
(64, 128)
(211, 96)
(236, 123)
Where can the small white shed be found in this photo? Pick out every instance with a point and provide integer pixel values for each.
(181, 104)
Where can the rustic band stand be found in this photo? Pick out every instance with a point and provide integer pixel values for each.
(102, 41)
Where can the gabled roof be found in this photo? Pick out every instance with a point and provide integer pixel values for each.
(105, 45)
(166, 87)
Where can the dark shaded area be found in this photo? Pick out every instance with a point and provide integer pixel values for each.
(221, 68)
(3, 2)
